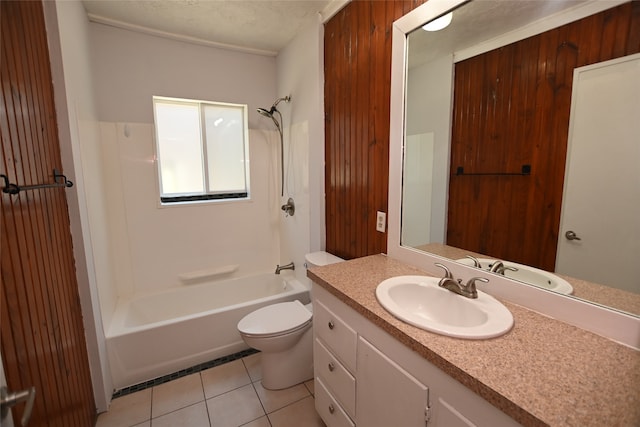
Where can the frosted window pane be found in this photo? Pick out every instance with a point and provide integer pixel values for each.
(179, 149)
(225, 148)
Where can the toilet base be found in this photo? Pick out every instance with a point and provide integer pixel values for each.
(287, 368)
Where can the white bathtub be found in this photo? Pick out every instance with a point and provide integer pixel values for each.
(158, 334)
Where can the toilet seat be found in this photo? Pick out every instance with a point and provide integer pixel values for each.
(276, 319)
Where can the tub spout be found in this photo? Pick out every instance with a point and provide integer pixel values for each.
(289, 266)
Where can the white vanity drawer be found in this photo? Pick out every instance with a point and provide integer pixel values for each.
(336, 377)
(340, 338)
(329, 409)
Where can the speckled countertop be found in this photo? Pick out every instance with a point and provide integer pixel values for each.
(542, 372)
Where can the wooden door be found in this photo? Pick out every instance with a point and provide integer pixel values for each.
(42, 336)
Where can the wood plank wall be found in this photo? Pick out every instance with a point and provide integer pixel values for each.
(43, 343)
(512, 107)
(357, 55)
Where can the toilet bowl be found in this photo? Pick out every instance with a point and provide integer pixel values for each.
(283, 333)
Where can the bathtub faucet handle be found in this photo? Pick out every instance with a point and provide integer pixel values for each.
(289, 266)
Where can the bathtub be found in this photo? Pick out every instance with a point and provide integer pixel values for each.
(157, 334)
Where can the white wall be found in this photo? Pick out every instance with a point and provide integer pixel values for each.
(417, 189)
(67, 33)
(300, 74)
(429, 106)
(157, 244)
(130, 68)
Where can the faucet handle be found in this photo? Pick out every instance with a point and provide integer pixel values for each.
(473, 280)
(447, 272)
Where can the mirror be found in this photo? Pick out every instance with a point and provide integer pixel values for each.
(428, 177)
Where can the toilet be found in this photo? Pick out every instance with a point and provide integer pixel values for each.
(283, 333)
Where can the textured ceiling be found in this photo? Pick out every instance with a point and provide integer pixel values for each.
(262, 26)
(484, 20)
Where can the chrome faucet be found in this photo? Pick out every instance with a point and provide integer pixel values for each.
(476, 263)
(500, 268)
(448, 282)
(289, 266)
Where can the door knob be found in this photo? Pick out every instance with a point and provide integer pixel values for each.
(8, 400)
(571, 235)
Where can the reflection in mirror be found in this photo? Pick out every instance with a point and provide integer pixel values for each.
(492, 114)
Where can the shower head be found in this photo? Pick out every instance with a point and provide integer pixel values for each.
(265, 113)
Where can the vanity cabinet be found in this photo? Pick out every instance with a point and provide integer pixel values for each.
(365, 377)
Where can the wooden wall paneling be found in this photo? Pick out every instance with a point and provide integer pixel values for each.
(378, 120)
(331, 128)
(534, 125)
(357, 95)
(633, 38)
(362, 114)
(352, 142)
(345, 134)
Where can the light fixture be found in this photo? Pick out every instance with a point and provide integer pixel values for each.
(438, 24)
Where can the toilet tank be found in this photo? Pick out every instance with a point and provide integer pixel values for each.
(320, 258)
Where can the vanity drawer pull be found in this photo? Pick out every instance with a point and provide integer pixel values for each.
(331, 408)
(331, 324)
(331, 366)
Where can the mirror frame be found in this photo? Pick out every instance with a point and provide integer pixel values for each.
(615, 325)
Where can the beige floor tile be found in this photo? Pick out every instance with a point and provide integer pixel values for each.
(311, 387)
(235, 408)
(273, 400)
(300, 414)
(144, 424)
(177, 394)
(127, 411)
(252, 363)
(260, 422)
(224, 378)
(191, 416)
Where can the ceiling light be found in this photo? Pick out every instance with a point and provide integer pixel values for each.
(439, 24)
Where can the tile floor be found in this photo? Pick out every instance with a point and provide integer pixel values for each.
(228, 395)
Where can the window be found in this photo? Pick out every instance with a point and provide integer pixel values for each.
(202, 150)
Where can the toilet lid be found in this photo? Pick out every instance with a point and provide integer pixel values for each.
(275, 319)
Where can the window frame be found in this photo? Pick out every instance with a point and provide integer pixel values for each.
(206, 195)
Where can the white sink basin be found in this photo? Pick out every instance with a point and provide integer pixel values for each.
(526, 274)
(419, 301)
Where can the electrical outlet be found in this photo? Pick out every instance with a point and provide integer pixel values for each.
(381, 222)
